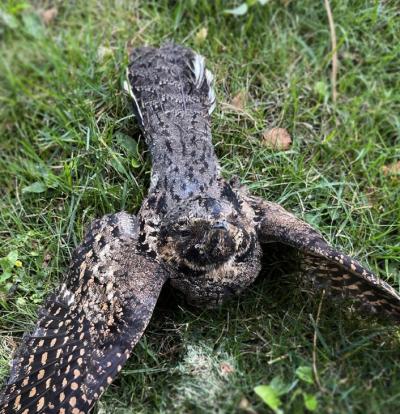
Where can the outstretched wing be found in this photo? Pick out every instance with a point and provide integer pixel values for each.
(327, 267)
(88, 327)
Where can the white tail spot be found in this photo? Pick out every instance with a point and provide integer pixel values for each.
(128, 90)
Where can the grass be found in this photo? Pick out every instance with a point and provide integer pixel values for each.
(67, 156)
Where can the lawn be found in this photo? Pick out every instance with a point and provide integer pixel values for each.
(71, 151)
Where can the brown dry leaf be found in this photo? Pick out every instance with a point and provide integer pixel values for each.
(226, 368)
(46, 259)
(49, 15)
(201, 36)
(239, 100)
(391, 169)
(277, 138)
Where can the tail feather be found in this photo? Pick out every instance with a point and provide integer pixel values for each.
(168, 79)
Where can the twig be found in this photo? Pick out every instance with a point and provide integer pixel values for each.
(17, 195)
(314, 352)
(334, 49)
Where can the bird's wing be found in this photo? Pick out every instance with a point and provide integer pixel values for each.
(324, 265)
(88, 327)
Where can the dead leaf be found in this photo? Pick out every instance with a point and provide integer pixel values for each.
(226, 368)
(49, 15)
(238, 105)
(46, 259)
(201, 36)
(277, 138)
(391, 169)
(239, 100)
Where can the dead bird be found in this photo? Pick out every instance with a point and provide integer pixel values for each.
(196, 230)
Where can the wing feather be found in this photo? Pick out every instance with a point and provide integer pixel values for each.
(326, 266)
(86, 330)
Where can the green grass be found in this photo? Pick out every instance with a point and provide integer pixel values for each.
(65, 127)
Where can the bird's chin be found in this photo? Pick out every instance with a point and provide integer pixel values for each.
(192, 260)
(203, 266)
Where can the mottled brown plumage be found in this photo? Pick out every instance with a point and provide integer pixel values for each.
(88, 327)
(194, 229)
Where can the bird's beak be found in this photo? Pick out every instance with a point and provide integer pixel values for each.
(220, 225)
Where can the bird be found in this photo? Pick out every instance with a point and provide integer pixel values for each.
(202, 234)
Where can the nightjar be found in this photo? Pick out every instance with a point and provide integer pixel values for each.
(204, 235)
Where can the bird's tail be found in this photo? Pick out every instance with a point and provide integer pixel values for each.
(170, 82)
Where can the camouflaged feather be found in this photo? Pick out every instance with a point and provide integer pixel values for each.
(194, 228)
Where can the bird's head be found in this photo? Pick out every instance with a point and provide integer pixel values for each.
(202, 234)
